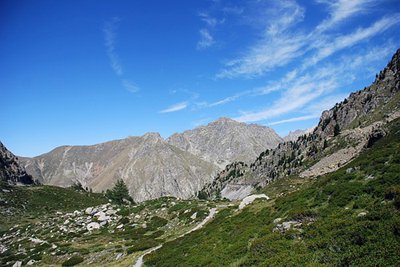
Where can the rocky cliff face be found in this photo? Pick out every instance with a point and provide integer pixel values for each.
(225, 140)
(150, 167)
(342, 133)
(10, 169)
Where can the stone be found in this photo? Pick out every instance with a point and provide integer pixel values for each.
(120, 226)
(89, 210)
(31, 262)
(93, 226)
(101, 216)
(194, 215)
(17, 264)
(119, 256)
(349, 170)
(277, 220)
(362, 214)
(111, 212)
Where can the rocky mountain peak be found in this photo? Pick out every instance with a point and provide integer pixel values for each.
(10, 169)
(152, 137)
(225, 140)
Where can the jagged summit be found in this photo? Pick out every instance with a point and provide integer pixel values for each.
(226, 140)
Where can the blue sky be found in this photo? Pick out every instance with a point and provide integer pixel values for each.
(84, 72)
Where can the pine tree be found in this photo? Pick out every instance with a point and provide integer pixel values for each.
(336, 130)
(119, 192)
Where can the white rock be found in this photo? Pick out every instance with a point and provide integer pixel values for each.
(89, 210)
(17, 264)
(277, 220)
(362, 214)
(66, 221)
(92, 226)
(103, 223)
(137, 216)
(101, 216)
(120, 226)
(186, 211)
(194, 215)
(110, 212)
(119, 256)
(31, 262)
(248, 200)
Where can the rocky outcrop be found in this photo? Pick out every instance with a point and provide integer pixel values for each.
(11, 171)
(225, 140)
(150, 167)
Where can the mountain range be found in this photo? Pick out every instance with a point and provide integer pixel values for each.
(151, 166)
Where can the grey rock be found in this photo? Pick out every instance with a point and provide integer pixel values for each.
(93, 226)
(11, 170)
(225, 140)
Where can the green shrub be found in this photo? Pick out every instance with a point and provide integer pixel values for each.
(74, 260)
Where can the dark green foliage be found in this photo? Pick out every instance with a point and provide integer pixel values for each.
(333, 232)
(74, 260)
(202, 195)
(336, 130)
(119, 192)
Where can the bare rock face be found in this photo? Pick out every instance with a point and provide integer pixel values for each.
(150, 167)
(225, 140)
(10, 169)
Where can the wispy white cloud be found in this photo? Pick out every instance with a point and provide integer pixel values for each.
(295, 119)
(206, 39)
(210, 21)
(109, 30)
(341, 10)
(277, 46)
(175, 107)
(345, 41)
(130, 86)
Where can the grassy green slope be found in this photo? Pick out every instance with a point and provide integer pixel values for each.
(23, 204)
(349, 217)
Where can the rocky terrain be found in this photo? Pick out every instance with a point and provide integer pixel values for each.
(151, 166)
(225, 140)
(341, 134)
(10, 169)
(101, 234)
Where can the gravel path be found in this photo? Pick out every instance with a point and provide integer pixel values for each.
(139, 262)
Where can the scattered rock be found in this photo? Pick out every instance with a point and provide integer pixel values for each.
(277, 220)
(31, 262)
(350, 170)
(93, 226)
(194, 215)
(17, 264)
(119, 256)
(362, 214)
(120, 226)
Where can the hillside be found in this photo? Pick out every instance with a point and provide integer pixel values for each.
(348, 217)
(150, 167)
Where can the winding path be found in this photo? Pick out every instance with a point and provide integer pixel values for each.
(139, 261)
